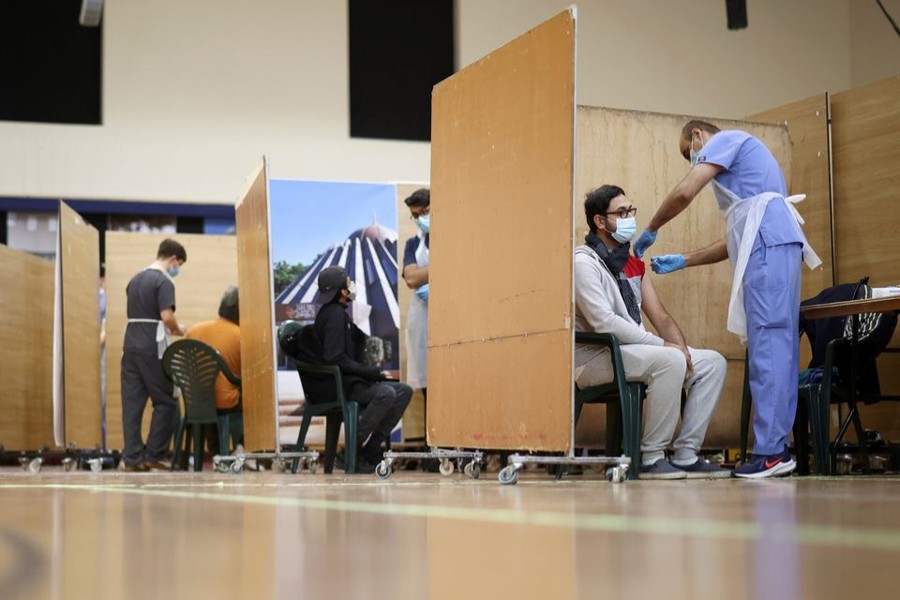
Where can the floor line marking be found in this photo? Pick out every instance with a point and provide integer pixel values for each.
(816, 535)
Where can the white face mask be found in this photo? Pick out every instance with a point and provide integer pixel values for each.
(625, 230)
(351, 291)
(695, 154)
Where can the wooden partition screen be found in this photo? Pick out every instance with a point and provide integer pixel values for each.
(26, 350)
(866, 146)
(413, 418)
(211, 267)
(80, 261)
(638, 151)
(257, 313)
(500, 308)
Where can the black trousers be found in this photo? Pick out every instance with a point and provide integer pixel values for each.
(382, 406)
(143, 377)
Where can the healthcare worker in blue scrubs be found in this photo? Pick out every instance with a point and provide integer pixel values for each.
(766, 244)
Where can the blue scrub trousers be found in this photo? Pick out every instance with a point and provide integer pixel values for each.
(772, 305)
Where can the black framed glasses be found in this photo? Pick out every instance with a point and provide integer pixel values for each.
(624, 213)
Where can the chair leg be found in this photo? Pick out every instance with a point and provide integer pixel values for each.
(179, 434)
(614, 428)
(801, 435)
(746, 405)
(631, 426)
(818, 425)
(301, 437)
(351, 429)
(837, 440)
(198, 446)
(860, 435)
(332, 432)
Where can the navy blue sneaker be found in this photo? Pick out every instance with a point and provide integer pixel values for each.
(760, 467)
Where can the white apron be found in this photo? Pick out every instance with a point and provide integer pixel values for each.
(163, 337)
(417, 330)
(742, 220)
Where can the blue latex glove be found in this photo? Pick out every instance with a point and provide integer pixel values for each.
(667, 263)
(422, 292)
(644, 241)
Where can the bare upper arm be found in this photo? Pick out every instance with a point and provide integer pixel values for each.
(651, 304)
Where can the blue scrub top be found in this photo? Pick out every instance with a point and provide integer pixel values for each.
(749, 170)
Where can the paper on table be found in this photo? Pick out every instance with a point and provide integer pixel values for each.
(884, 292)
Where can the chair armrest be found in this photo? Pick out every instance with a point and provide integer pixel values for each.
(607, 340)
(231, 377)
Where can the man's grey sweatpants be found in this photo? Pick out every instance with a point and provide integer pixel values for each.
(663, 370)
(142, 376)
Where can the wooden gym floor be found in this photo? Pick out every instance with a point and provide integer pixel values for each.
(418, 536)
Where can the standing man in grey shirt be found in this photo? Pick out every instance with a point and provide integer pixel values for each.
(151, 322)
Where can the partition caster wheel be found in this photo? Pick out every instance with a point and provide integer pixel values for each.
(446, 467)
(96, 464)
(34, 466)
(302, 463)
(508, 475)
(616, 474)
(68, 464)
(313, 466)
(472, 469)
(383, 470)
(237, 467)
(278, 466)
(220, 466)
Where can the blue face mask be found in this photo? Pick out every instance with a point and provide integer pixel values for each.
(173, 272)
(625, 230)
(424, 223)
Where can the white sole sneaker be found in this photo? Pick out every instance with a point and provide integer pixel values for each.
(780, 470)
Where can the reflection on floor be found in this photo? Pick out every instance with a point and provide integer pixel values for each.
(110, 535)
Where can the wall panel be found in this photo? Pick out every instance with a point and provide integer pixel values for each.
(26, 350)
(257, 316)
(80, 256)
(501, 298)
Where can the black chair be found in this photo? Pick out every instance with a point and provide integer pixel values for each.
(194, 367)
(849, 375)
(297, 343)
(623, 399)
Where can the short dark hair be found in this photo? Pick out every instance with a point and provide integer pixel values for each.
(229, 306)
(697, 124)
(597, 203)
(420, 197)
(169, 247)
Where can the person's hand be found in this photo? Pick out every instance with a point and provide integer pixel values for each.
(644, 241)
(422, 292)
(689, 371)
(182, 329)
(667, 263)
(690, 363)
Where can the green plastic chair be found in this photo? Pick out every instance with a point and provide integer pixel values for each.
(623, 399)
(335, 410)
(194, 367)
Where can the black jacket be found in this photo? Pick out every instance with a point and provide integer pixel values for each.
(342, 344)
(875, 333)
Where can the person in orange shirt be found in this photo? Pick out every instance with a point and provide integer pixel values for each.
(224, 334)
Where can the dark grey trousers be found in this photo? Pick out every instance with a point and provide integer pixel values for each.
(382, 406)
(142, 376)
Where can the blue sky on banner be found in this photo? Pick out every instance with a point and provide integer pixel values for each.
(308, 217)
